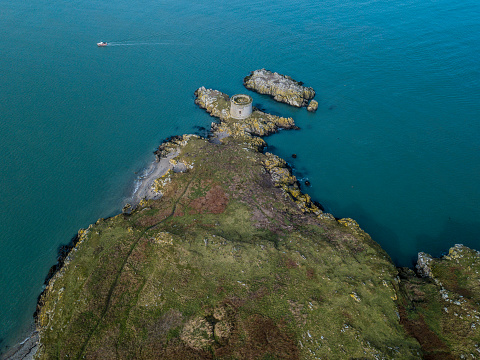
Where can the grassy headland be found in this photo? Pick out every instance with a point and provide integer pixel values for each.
(235, 262)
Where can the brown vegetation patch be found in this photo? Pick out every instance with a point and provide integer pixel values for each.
(219, 290)
(260, 293)
(178, 212)
(297, 311)
(466, 293)
(107, 350)
(258, 337)
(290, 263)
(139, 254)
(264, 338)
(147, 221)
(234, 301)
(158, 329)
(452, 281)
(175, 350)
(215, 201)
(432, 346)
(414, 292)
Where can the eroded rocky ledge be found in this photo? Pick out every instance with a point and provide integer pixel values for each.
(259, 123)
(217, 104)
(281, 87)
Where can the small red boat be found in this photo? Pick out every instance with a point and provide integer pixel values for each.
(102, 43)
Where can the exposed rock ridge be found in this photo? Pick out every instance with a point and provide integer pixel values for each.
(172, 145)
(281, 87)
(440, 304)
(259, 123)
(283, 178)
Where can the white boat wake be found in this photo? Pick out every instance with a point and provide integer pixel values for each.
(136, 44)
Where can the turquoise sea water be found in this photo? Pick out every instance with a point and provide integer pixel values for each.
(394, 144)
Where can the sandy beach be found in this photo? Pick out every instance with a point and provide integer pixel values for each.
(156, 170)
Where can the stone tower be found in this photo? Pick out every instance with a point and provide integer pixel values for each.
(240, 106)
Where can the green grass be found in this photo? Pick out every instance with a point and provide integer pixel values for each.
(136, 281)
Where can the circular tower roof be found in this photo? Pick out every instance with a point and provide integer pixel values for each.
(240, 106)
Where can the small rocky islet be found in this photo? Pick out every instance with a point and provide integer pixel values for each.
(234, 261)
(282, 88)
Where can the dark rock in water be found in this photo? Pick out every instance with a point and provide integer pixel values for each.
(294, 156)
(320, 206)
(127, 208)
(201, 131)
(62, 253)
(51, 272)
(259, 107)
(307, 183)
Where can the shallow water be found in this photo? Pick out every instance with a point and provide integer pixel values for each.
(393, 145)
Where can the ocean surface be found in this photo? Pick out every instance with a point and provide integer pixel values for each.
(395, 143)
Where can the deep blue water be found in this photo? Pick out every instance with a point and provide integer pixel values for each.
(394, 144)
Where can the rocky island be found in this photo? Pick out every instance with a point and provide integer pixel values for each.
(228, 259)
(281, 87)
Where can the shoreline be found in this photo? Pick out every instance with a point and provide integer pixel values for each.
(282, 177)
(145, 182)
(24, 350)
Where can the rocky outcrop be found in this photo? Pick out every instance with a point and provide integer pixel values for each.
(283, 178)
(172, 144)
(312, 106)
(259, 123)
(440, 307)
(281, 87)
(423, 264)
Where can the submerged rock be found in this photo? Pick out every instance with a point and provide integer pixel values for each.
(281, 87)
